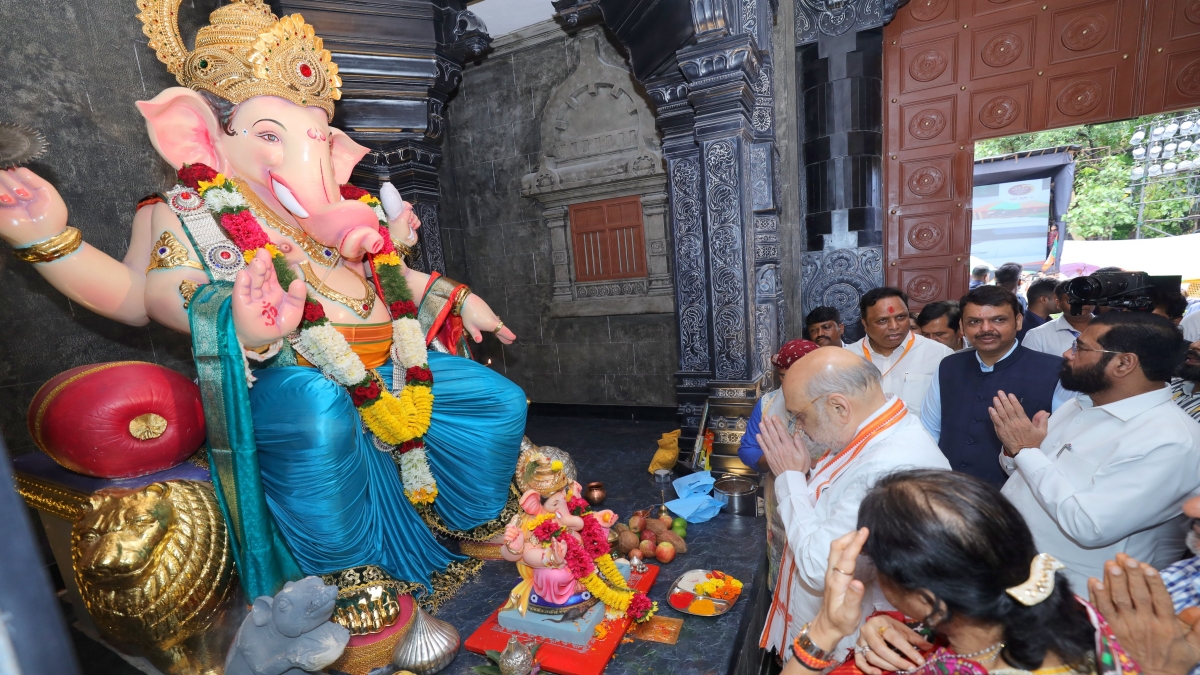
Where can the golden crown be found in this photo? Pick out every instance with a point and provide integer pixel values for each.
(538, 472)
(244, 52)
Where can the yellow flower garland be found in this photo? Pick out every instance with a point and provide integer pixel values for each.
(533, 524)
(616, 601)
(396, 420)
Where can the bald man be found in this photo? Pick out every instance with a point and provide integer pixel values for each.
(847, 435)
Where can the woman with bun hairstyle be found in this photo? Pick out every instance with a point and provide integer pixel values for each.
(974, 595)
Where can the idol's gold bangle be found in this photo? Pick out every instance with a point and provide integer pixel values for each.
(62, 244)
(460, 300)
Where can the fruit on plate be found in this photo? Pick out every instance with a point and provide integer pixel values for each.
(675, 539)
(657, 525)
(637, 523)
(680, 531)
(647, 548)
(650, 536)
(666, 518)
(665, 552)
(679, 522)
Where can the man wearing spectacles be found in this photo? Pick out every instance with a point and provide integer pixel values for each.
(848, 434)
(1108, 472)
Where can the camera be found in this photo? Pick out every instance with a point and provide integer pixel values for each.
(1133, 291)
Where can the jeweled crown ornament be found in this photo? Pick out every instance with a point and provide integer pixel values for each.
(244, 52)
(537, 472)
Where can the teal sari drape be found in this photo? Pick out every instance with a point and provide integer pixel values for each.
(264, 562)
(303, 486)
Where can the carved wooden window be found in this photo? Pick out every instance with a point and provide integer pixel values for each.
(608, 239)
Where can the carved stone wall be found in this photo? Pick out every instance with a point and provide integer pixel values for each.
(577, 343)
(599, 142)
(74, 72)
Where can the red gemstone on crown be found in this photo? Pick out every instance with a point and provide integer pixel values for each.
(305, 70)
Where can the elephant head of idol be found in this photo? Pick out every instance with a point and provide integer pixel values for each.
(255, 105)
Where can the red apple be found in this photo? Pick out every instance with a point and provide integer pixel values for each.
(665, 552)
(650, 536)
(665, 518)
(647, 547)
(637, 523)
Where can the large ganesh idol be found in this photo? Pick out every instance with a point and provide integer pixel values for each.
(337, 441)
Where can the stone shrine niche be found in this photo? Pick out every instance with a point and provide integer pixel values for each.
(599, 142)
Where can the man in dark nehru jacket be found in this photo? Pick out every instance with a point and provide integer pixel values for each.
(956, 408)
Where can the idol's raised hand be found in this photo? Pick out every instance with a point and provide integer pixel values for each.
(262, 311)
(30, 208)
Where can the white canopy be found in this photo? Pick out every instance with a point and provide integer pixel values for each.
(1161, 255)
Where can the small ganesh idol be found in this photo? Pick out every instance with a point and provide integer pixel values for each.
(561, 547)
(343, 423)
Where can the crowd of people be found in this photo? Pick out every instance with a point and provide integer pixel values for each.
(945, 492)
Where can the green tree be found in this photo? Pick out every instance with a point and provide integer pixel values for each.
(1102, 207)
(1103, 202)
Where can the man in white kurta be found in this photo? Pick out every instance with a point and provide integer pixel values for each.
(839, 405)
(1108, 472)
(907, 362)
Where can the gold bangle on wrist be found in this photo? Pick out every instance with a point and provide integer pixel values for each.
(460, 299)
(62, 244)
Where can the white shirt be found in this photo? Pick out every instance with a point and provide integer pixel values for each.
(1053, 337)
(1109, 479)
(1191, 327)
(908, 376)
(931, 411)
(812, 524)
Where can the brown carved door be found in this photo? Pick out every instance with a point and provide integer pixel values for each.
(956, 72)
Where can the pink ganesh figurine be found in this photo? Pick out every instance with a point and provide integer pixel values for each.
(548, 581)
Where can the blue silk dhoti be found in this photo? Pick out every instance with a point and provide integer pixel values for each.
(339, 502)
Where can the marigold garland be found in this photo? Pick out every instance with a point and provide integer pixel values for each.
(397, 421)
(590, 563)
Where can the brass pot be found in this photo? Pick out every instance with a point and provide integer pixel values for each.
(594, 493)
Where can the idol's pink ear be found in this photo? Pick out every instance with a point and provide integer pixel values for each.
(531, 502)
(344, 153)
(182, 127)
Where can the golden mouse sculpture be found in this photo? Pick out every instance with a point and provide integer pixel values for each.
(155, 569)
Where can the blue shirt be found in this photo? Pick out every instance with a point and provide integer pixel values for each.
(1183, 583)
(931, 411)
(749, 451)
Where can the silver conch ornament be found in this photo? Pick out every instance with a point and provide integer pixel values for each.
(516, 659)
(429, 647)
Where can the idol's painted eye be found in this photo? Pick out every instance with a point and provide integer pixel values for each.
(269, 137)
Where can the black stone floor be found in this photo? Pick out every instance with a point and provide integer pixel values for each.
(617, 453)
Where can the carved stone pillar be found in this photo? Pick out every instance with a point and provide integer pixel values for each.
(556, 221)
(654, 219)
(675, 119)
(399, 62)
(840, 70)
(707, 66)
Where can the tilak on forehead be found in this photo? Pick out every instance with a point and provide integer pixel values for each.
(891, 310)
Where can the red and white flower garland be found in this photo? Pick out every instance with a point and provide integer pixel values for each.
(399, 421)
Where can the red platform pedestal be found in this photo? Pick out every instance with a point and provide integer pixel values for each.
(558, 657)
